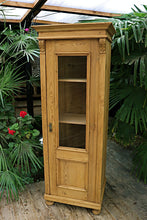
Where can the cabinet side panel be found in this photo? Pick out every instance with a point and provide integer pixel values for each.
(93, 99)
(106, 111)
(103, 104)
(51, 113)
(42, 45)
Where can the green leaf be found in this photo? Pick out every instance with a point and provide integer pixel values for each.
(119, 45)
(138, 9)
(123, 46)
(140, 161)
(35, 132)
(14, 126)
(145, 6)
(1, 126)
(11, 144)
(135, 71)
(146, 40)
(10, 182)
(142, 70)
(120, 28)
(139, 33)
(135, 33)
(127, 42)
(145, 60)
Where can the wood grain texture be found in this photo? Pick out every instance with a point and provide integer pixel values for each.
(78, 11)
(43, 79)
(51, 113)
(93, 103)
(77, 110)
(100, 27)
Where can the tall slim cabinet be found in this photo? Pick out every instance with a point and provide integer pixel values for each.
(75, 69)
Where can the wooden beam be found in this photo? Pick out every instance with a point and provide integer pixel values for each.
(10, 20)
(59, 9)
(33, 12)
(16, 4)
(47, 22)
(78, 11)
(34, 20)
(28, 11)
(24, 16)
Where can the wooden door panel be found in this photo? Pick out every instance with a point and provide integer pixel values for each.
(72, 174)
(72, 179)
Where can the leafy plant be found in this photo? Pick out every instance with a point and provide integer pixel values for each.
(140, 160)
(128, 81)
(129, 71)
(20, 151)
(17, 47)
(128, 89)
(18, 44)
(22, 140)
(10, 81)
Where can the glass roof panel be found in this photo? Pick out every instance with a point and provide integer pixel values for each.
(112, 6)
(62, 17)
(12, 13)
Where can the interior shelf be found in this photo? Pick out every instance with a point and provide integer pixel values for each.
(72, 80)
(70, 118)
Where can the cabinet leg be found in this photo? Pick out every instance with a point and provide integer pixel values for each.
(49, 202)
(96, 212)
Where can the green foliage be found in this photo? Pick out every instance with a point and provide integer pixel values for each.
(16, 48)
(133, 108)
(10, 81)
(17, 44)
(20, 151)
(128, 89)
(23, 142)
(140, 160)
(128, 82)
(123, 132)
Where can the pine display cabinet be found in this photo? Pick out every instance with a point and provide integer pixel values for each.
(75, 69)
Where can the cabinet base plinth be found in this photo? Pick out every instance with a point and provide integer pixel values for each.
(65, 200)
(96, 212)
(49, 203)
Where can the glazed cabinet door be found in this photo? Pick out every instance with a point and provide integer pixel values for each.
(68, 104)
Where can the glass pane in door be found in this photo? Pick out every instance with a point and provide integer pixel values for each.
(72, 67)
(72, 73)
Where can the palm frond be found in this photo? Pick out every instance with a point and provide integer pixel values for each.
(23, 154)
(10, 183)
(133, 109)
(140, 161)
(10, 80)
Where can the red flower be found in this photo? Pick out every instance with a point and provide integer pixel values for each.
(23, 114)
(11, 131)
